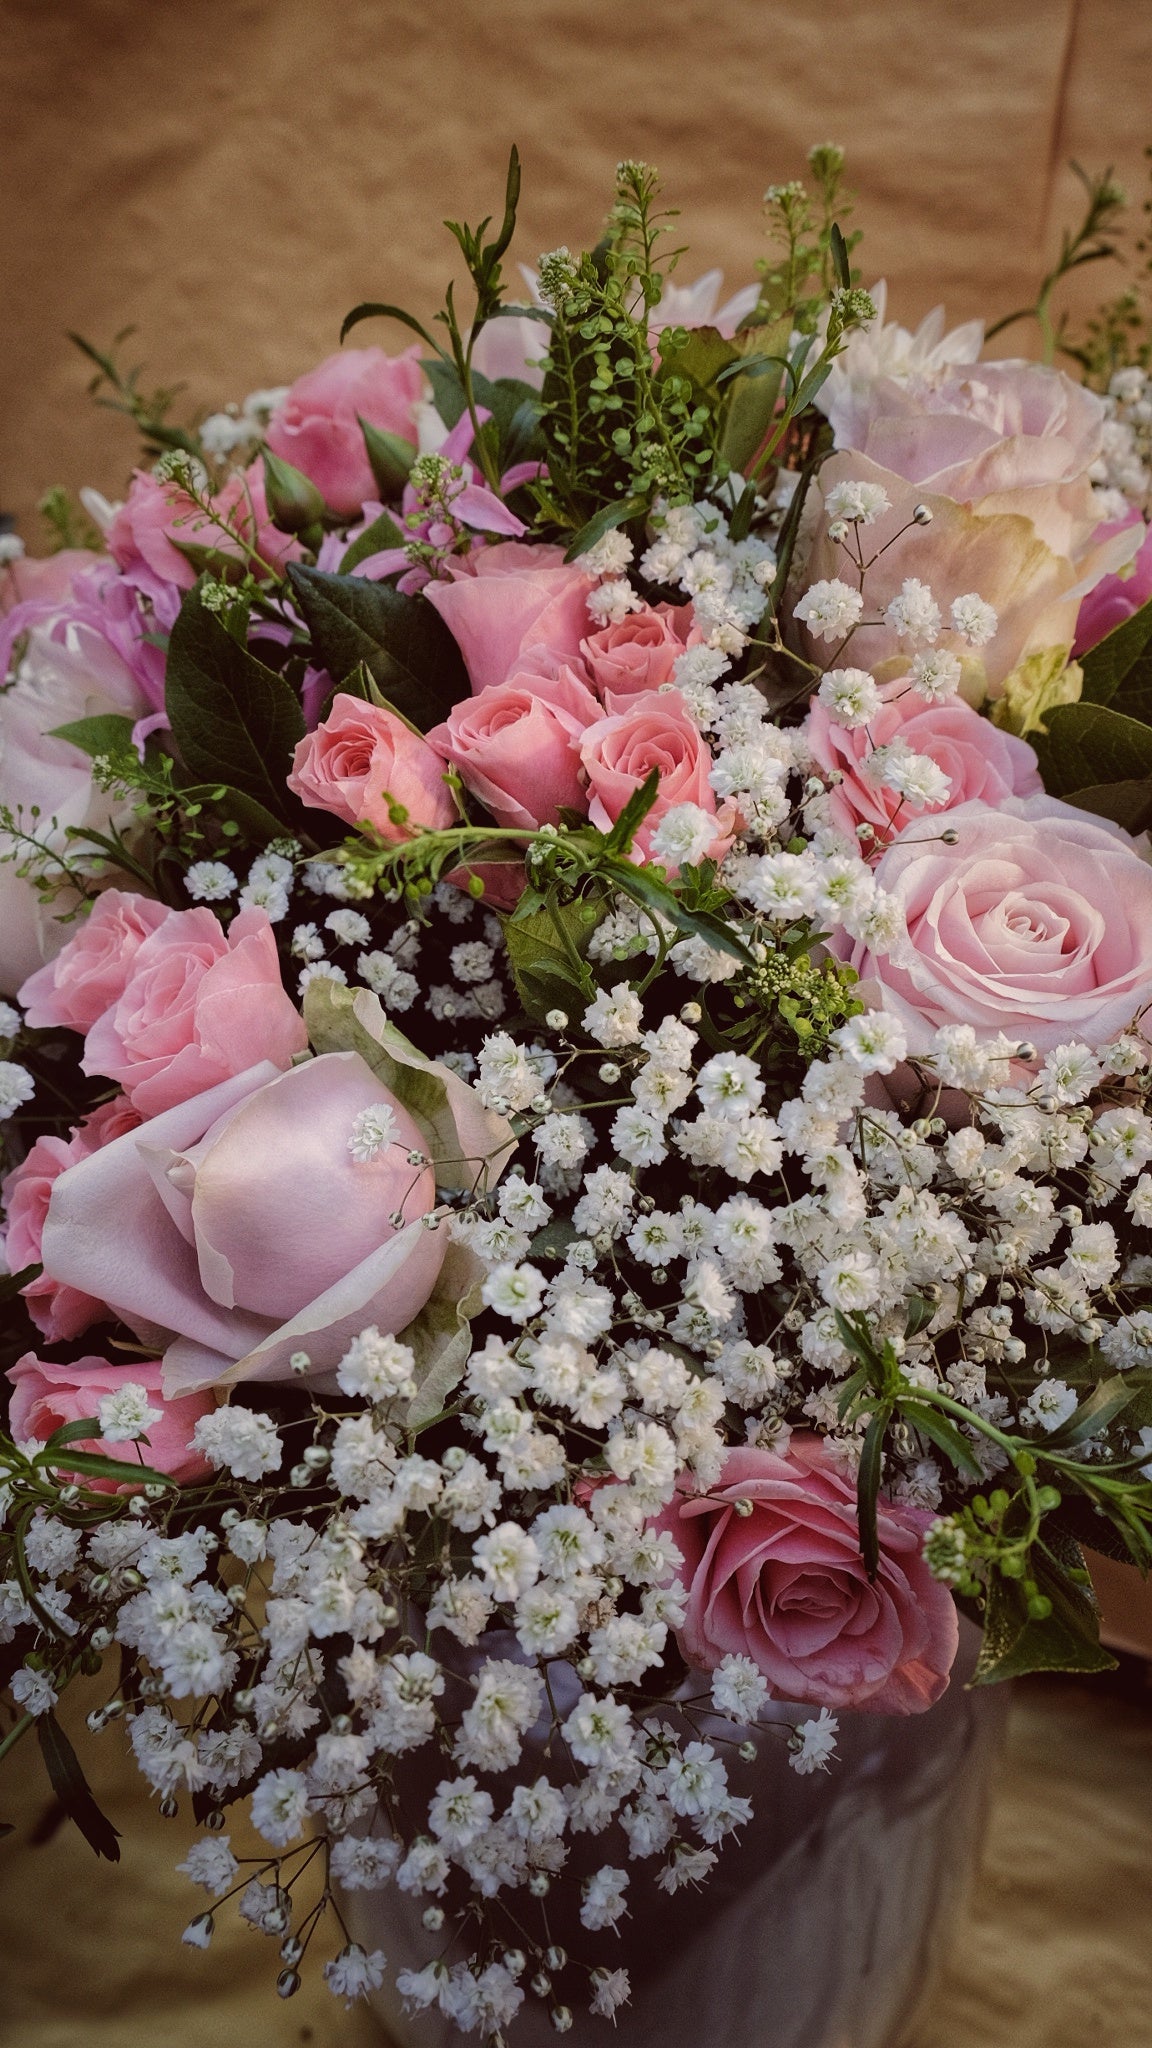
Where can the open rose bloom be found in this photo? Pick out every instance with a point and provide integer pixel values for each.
(578, 1091)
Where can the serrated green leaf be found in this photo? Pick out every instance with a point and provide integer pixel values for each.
(542, 966)
(233, 720)
(73, 1790)
(1107, 664)
(401, 640)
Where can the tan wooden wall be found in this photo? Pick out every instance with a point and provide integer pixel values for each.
(231, 175)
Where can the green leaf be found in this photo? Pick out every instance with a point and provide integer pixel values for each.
(623, 832)
(840, 263)
(751, 406)
(233, 720)
(12, 1284)
(1126, 803)
(109, 733)
(868, 1489)
(390, 456)
(700, 357)
(541, 963)
(1102, 1406)
(73, 1433)
(553, 1239)
(91, 1464)
(944, 1434)
(604, 521)
(401, 640)
(378, 309)
(1106, 665)
(383, 533)
(652, 894)
(1067, 1640)
(1087, 744)
(73, 1791)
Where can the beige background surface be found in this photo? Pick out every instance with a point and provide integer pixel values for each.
(229, 176)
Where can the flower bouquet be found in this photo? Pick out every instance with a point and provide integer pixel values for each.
(576, 1093)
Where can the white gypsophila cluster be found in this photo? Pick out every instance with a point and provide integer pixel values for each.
(1122, 473)
(726, 580)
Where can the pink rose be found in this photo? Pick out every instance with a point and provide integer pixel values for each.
(317, 429)
(1037, 923)
(247, 1230)
(360, 757)
(45, 1397)
(515, 595)
(158, 519)
(517, 745)
(92, 971)
(620, 752)
(1115, 598)
(786, 1586)
(980, 761)
(640, 651)
(58, 1312)
(199, 1004)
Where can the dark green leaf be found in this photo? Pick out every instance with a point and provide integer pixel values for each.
(92, 1464)
(1102, 1406)
(383, 533)
(377, 309)
(1126, 803)
(944, 1434)
(633, 814)
(1089, 744)
(554, 1239)
(604, 521)
(401, 640)
(542, 965)
(72, 1433)
(12, 1284)
(390, 456)
(840, 263)
(1068, 1640)
(233, 720)
(1106, 665)
(868, 1489)
(73, 1791)
(109, 733)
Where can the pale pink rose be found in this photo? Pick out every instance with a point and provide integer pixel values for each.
(980, 761)
(515, 595)
(786, 1586)
(246, 1230)
(317, 429)
(361, 756)
(92, 971)
(517, 745)
(640, 651)
(1115, 598)
(46, 1396)
(619, 753)
(1037, 923)
(158, 519)
(199, 1005)
(1032, 556)
(58, 1312)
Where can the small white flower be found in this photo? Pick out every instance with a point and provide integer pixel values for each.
(874, 1042)
(16, 1088)
(348, 927)
(850, 696)
(830, 609)
(612, 601)
(279, 1807)
(936, 675)
(377, 1367)
(1049, 1405)
(508, 1560)
(614, 1019)
(861, 503)
(11, 548)
(126, 1414)
(32, 1690)
(975, 621)
(683, 836)
(209, 881)
(240, 1441)
(609, 556)
(914, 613)
(813, 1743)
(373, 1130)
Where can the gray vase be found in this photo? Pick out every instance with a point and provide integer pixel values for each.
(821, 1929)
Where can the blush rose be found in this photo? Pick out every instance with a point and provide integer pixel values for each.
(980, 761)
(517, 745)
(317, 428)
(509, 597)
(1037, 923)
(362, 756)
(93, 969)
(58, 1312)
(653, 731)
(158, 519)
(639, 652)
(198, 1005)
(46, 1396)
(786, 1586)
